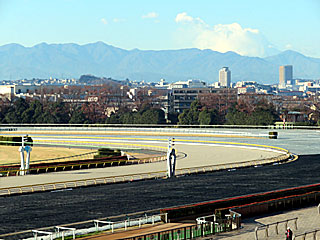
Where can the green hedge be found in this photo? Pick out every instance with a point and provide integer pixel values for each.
(106, 152)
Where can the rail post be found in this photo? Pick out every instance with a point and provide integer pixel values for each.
(28, 150)
(286, 224)
(22, 167)
(96, 224)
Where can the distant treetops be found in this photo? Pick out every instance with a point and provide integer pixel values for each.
(34, 111)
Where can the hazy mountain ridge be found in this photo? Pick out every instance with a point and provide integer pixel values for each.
(72, 60)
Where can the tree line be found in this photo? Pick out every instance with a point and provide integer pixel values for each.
(33, 111)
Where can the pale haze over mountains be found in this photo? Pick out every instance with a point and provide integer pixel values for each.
(72, 60)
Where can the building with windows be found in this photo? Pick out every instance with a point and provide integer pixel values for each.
(285, 75)
(225, 77)
(181, 98)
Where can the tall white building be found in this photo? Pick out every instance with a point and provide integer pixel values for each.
(225, 77)
(285, 75)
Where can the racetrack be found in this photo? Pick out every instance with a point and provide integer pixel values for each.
(54, 208)
(194, 153)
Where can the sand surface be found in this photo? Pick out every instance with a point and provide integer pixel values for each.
(11, 155)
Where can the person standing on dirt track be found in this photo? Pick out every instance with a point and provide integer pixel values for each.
(289, 234)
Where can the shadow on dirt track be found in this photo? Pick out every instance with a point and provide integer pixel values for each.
(61, 207)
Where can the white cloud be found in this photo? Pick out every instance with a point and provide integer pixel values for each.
(225, 37)
(104, 21)
(151, 15)
(183, 17)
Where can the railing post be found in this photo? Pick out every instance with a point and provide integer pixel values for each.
(286, 224)
(256, 233)
(296, 223)
(267, 233)
(96, 224)
(277, 231)
(201, 229)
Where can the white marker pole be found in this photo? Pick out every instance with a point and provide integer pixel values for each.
(28, 149)
(21, 150)
(169, 165)
(173, 159)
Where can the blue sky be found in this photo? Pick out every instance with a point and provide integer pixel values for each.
(253, 28)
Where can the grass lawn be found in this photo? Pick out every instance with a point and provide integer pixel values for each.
(11, 155)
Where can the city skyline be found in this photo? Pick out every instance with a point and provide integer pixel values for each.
(247, 28)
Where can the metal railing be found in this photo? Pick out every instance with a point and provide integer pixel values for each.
(266, 227)
(15, 126)
(312, 233)
(107, 226)
(203, 130)
(130, 222)
(60, 167)
(231, 221)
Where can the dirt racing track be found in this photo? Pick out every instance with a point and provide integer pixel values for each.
(200, 153)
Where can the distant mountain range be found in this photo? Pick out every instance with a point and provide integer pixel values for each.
(73, 60)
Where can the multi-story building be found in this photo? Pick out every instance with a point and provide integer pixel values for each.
(285, 75)
(219, 98)
(225, 77)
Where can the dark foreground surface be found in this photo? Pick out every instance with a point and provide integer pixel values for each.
(25, 212)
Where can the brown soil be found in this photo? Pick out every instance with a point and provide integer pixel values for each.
(11, 155)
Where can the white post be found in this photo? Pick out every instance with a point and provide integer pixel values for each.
(22, 168)
(28, 149)
(169, 166)
(96, 223)
(173, 158)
